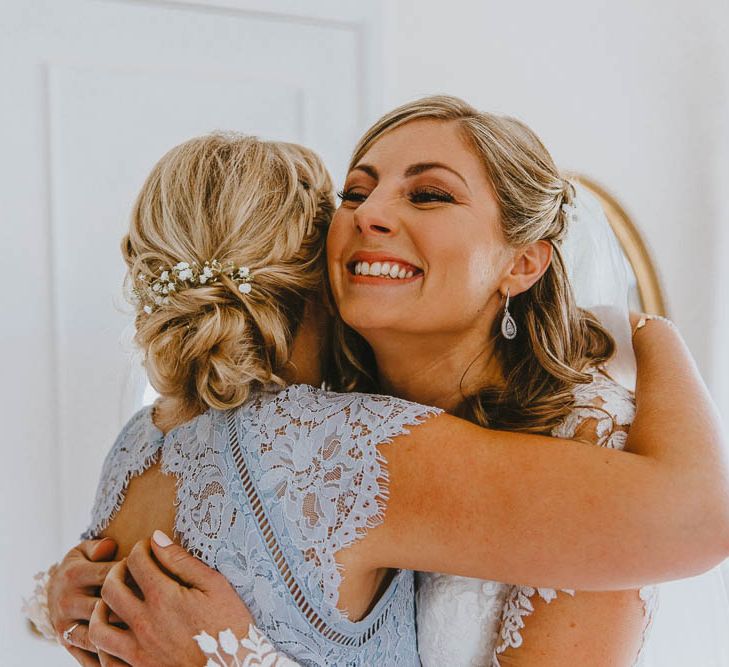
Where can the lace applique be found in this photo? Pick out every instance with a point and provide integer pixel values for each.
(649, 596)
(602, 415)
(35, 608)
(135, 449)
(517, 606)
(257, 650)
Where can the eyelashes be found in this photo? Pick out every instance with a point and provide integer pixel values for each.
(351, 196)
(421, 195)
(430, 195)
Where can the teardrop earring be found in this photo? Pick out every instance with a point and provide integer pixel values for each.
(508, 325)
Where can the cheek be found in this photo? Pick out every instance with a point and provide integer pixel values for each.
(468, 285)
(471, 264)
(337, 238)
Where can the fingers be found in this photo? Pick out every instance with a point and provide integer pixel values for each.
(79, 639)
(108, 660)
(98, 550)
(146, 573)
(182, 564)
(68, 585)
(69, 607)
(114, 619)
(118, 596)
(78, 608)
(84, 658)
(103, 550)
(109, 639)
(83, 573)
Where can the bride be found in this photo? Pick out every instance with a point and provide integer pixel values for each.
(470, 207)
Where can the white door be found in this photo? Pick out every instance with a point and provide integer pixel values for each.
(93, 93)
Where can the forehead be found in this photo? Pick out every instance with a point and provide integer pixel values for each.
(425, 141)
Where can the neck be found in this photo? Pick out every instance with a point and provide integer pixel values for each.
(303, 367)
(437, 370)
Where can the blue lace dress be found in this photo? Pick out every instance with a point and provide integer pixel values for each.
(267, 494)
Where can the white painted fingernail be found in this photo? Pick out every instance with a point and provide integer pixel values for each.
(161, 539)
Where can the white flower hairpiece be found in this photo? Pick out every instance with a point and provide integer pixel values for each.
(155, 291)
(570, 213)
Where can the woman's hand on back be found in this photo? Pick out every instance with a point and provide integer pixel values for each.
(73, 592)
(182, 597)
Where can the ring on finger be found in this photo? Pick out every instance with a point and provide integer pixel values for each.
(68, 632)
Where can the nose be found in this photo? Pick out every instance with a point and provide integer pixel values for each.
(370, 219)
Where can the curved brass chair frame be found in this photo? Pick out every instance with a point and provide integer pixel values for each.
(649, 286)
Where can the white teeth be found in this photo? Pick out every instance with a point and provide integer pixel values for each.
(384, 269)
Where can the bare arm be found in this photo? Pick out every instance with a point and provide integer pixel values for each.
(512, 507)
(544, 627)
(572, 630)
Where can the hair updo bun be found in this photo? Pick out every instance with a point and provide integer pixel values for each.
(243, 202)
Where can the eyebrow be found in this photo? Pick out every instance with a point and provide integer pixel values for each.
(421, 167)
(367, 169)
(412, 170)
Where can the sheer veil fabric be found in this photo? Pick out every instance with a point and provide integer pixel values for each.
(690, 626)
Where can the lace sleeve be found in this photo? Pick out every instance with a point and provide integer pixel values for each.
(318, 470)
(35, 608)
(602, 415)
(255, 650)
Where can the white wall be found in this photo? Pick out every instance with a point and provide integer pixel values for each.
(630, 93)
(633, 94)
(93, 93)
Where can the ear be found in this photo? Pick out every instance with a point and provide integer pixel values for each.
(529, 265)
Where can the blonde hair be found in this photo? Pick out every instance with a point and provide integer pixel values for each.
(241, 201)
(556, 340)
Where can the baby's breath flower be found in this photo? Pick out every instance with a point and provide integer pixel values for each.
(185, 275)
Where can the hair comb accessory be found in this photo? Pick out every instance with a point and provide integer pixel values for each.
(155, 291)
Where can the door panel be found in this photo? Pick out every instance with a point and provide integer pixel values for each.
(93, 93)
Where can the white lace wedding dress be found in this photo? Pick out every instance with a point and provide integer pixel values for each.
(466, 622)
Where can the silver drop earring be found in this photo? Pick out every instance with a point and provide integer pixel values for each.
(508, 325)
